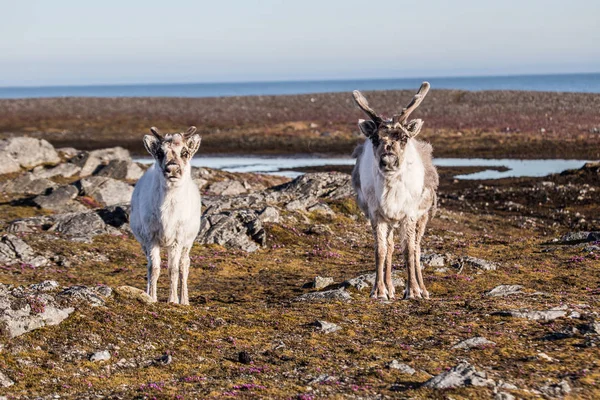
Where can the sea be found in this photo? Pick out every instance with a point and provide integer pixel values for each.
(588, 83)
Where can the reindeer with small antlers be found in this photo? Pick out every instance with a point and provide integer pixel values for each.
(395, 183)
(165, 208)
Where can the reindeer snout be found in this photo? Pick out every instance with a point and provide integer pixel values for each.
(388, 161)
(172, 170)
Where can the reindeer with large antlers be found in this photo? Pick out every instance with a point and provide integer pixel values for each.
(395, 183)
(165, 208)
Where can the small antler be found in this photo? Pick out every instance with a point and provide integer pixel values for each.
(156, 134)
(412, 106)
(363, 104)
(191, 130)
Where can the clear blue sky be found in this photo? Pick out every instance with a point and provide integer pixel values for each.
(60, 42)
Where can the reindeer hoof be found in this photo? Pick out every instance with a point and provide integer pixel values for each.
(425, 294)
(379, 293)
(412, 293)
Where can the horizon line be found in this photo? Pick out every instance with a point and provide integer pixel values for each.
(295, 80)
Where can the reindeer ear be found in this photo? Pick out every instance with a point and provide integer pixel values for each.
(151, 143)
(414, 127)
(191, 130)
(193, 143)
(368, 128)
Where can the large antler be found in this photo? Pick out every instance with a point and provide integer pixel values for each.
(363, 104)
(412, 106)
(156, 134)
(191, 130)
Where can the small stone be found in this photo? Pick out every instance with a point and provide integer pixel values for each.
(546, 315)
(165, 359)
(463, 374)
(504, 290)
(503, 396)
(269, 214)
(559, 389)
(545, 357)
(476, 263)
(326, 327)
(474, 342)
(320, 282)
(403, 368)
(44, 286)
(5, 381)
(131, 292)
(100, 356)
(368, 280)
(321, 208)
(319, 230)
(244, 357)
(433, 260)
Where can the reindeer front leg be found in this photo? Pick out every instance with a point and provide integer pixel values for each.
(389, 284)
(380, 231)
(183, 276)
(174, 259)
(153, 255)
(412, 287)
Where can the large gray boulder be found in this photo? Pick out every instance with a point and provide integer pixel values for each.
(8, 165)
(13, 250)
(25, 308)
(60, 199)
(28, 184)
(240, 229)
(64, 170)
(106, 191)
(121, 169)
(463, 374)
(90, 161)
(29, 152)
(80, 227)
(227, 188)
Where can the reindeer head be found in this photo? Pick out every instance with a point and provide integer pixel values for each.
(390, 136)
(173, 151)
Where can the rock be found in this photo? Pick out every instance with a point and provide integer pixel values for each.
(578, 237)
(90, 161)
(67, 152)
(13, 250)
(319, 283)
(94, 296)
(321, 208)
(28, 184)
(23, 309)
(433, 260)
(227, 188)
(130, 292)
(30, 152)
(547, 315)
(121, 169)
(269, 214)
(8, 165)
(100, 356)
(165, 359)
(60, 200)
(368, 280)
(592, 328)
(81, 227)
(403, 368)
(5, 381)
(319, 230)
(328, 295)
(331, 185)
(474, 342)
(504, 290)
(240, 229)
(44, 286)
(326, 327)
(476, 263)
(65, 170)
(559, 389)
(106, 191)
(463, 374)
(546, 357)
(244, 357)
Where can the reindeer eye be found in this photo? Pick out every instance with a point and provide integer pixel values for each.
(184, 153)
